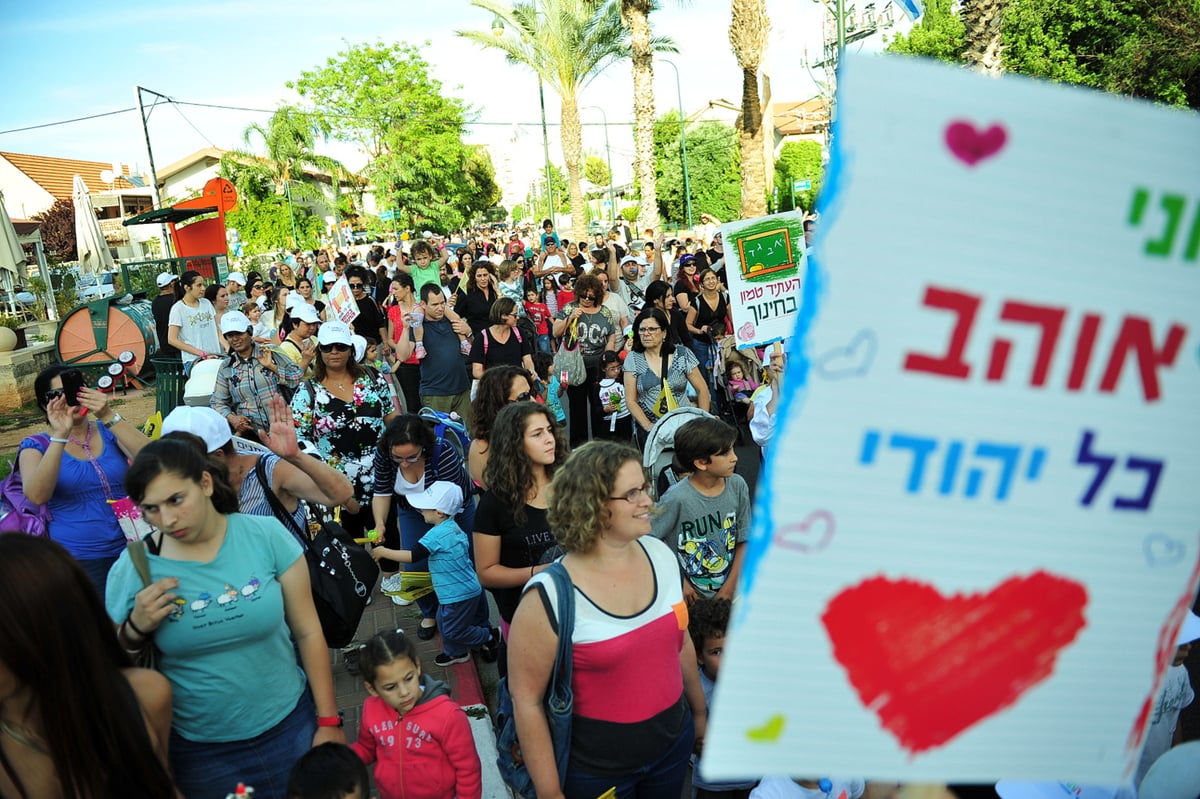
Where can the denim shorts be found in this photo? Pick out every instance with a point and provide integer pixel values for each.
(213, 770)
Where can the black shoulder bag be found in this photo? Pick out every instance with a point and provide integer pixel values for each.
(341, 572)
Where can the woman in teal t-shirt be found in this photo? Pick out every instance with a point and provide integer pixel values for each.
(229, 592)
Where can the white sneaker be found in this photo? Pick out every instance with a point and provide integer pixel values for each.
(391, 585)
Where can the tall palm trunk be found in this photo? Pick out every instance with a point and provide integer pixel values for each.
(748, 38)
(572, 144)
(636, 16)
(983, 46)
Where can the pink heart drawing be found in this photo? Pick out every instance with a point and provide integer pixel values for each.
(810, 535)
(971, 145)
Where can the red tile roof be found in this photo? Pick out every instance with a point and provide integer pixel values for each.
(55, 174)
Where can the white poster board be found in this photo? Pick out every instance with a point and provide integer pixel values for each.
(977, 532)
(764, 267)
(341, 301)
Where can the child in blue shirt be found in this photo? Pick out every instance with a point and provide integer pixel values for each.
(462, 614)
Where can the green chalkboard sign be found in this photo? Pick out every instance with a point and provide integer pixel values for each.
(766, 252)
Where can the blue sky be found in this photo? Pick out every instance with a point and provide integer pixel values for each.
(82, 58)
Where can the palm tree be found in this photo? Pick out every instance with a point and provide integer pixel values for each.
(566, 43)
(983, 46)
(636, 15)
(289, 138)
(748, 38)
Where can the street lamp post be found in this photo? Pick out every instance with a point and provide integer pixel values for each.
(498, 31)
(687, 188)
(612, 202)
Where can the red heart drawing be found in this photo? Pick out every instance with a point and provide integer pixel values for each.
(931, 666)
(972, 146)
(811, 535)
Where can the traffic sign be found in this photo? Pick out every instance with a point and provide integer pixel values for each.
(387, 216)
(801, 185)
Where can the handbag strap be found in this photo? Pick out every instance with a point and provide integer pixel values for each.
(280, 512)
(563, 663)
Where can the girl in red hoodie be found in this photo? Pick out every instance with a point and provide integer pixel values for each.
(417, 737)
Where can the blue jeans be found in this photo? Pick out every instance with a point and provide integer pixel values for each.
(213, 770)
(661, 778)
(543, 343)
(464, 625)
(413, 527)
(97, 571)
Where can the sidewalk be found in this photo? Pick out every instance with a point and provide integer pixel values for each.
(472, 684)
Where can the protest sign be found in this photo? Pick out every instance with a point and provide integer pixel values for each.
(341, 301)
(764, 262)
(978, 529)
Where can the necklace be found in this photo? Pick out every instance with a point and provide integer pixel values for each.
(23, 736)
(86, 446)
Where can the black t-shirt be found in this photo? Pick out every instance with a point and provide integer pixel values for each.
(510, 353)
(369, 319)
(475, 307)
(521, 546)
(578, 262)
(161, 309)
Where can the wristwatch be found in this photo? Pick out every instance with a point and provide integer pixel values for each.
(332, 721)
(116, 417)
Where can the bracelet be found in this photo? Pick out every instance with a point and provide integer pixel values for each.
(54, 440)
(332, 721)
(116, 417)
(134, 627)
(138, 646)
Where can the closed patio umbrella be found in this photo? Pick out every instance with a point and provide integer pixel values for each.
(89, 241)
(12, 257)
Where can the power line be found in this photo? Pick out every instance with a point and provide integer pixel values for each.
(69, 121)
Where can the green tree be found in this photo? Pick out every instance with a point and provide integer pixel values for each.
(1133, 47)
(748, 29)
(263, 225)
(595, 170)
(566, 43)
(518, 213)
(636, 16)
(713, 169)
(411, 132)
(535, 201)
(938, 34)
(797, 161)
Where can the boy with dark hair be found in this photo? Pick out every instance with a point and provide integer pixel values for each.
(706, 518)
(329, 771)
(707, 622)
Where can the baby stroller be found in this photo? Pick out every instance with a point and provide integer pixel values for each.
(660, 448)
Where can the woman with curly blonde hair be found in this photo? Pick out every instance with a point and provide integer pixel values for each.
(629, 640)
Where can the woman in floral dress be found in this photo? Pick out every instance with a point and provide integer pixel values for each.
(343, 410)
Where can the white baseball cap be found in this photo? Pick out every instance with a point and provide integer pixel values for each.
(637, 259)
(199, 420)
(360, 346)
(235, 322)
(443, 496)
(304, 312)
(236, 277)
(165, 279)
(329, 278)
(1190, 630)
(335, 332)
(293, 298)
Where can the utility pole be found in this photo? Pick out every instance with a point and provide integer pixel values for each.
(137, 90)
(687, 187)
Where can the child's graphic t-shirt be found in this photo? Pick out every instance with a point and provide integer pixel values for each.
(539, 314)
(612, 392)
(704, 531)
(554, 401)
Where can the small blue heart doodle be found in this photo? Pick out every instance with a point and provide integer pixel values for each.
(1160, 549)
(852, 360)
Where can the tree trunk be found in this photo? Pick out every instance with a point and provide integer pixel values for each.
(572, 144)
(983, 43)
(636, 17)
(750, 135)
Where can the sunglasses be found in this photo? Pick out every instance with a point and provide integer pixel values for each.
(335, 348)
(523, 396)
(356, 285)
(53, 394)
(588, 297)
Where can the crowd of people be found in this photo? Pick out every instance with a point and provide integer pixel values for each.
(351, 415)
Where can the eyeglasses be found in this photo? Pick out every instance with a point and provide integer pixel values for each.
(635, 494)
(53, 394)
(645, 330)
(410, 459)
(356, 285)
(335, 347)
